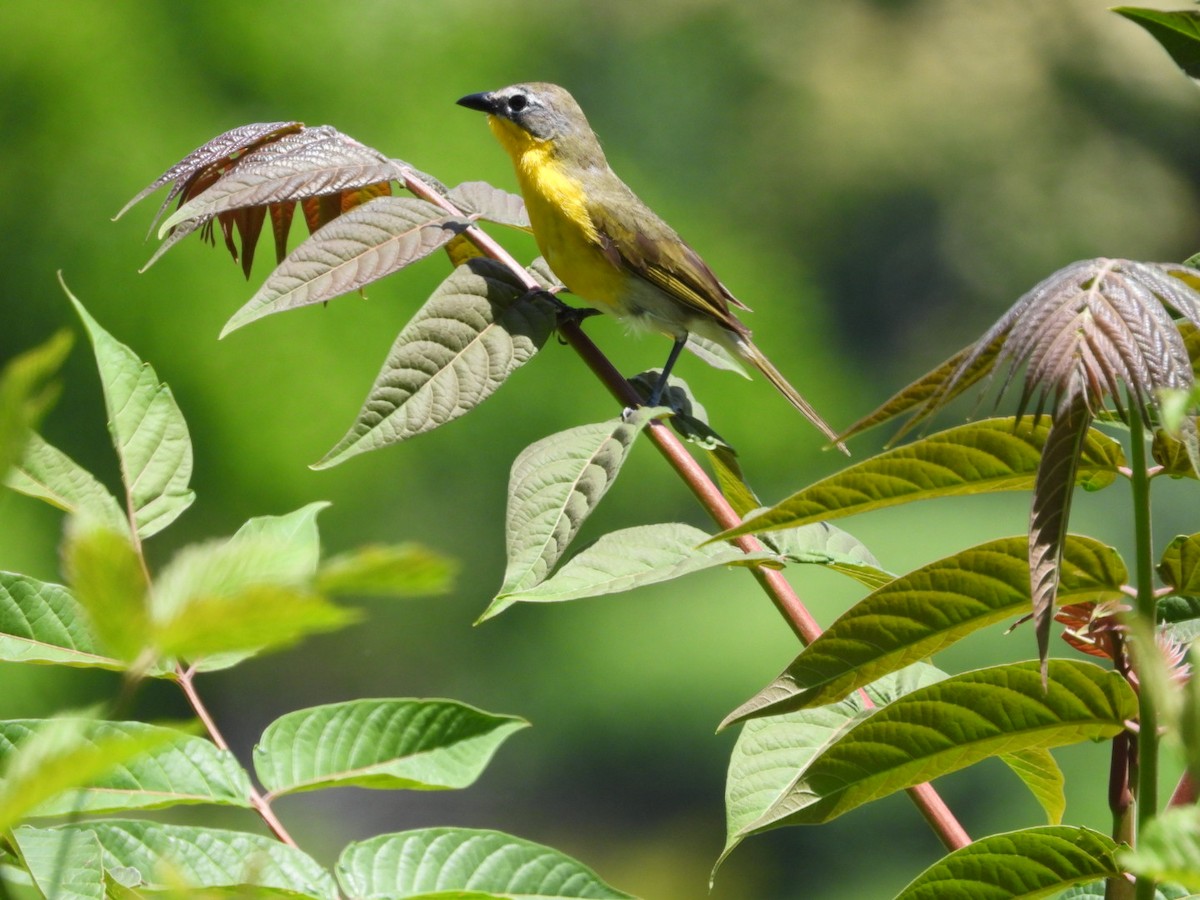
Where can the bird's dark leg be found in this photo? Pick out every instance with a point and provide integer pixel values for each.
(656, 394)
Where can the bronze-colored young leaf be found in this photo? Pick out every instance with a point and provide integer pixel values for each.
(354, 250)
(1048, 516)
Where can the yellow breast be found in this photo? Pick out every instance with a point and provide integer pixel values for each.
(562, 227)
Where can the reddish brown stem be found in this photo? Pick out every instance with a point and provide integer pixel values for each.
(777, 587)
(257, 800)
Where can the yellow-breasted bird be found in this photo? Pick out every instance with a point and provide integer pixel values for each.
(607, 246)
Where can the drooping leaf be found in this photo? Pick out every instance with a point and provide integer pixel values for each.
(478, 198)
(365, 244)
(1178, 31)
(42, 623)
(732, 482)
(384, 744)
(311, 162)
(65, 868)
(49, 474)
(925, 611)
(1168, 849)
(771, 751)
(462, 862)
(175, 768)
(1051, 509)
(400, 570)
(1045, 780)
(155, 856)
(478, 328)
(106, 577)
(554, 485)
(1033, 862)
(631, 558)
(27, 390)
(62, 754)
(822, 544)
(950, 725)
(148, 431)
(991, 455)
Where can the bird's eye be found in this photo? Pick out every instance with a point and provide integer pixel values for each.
(517, 102)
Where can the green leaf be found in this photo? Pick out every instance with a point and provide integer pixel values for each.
(47, 473)
(1045, 780)
(771, 751)
(981, 457)
(399, 570)
(1179, 567)
(177, 768)
(1033, 862)
(950, 725)
(63, 754)
(822, 544)
(106, 576)
(1098, 890)
(478, 198)
(479, 327)
(925, 611)
(157, 856)
(148, 431)
(461, 862)
(363, 245)
(247, 593)
(65, 868)
(1168, 848)
(1178, 32)
(27, 390)
(42, 623)
(553, 487)
(384, 744)
(631, 558)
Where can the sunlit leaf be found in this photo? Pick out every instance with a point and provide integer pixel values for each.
(106, 577)
(176, 768)
(478, 328)
(822, 544)
(355, 249)
(925, 611)
(68, 868)
(461, 862)
(157, 856)
(148, 431)
(981, 457)
(1168, 849)
(42, 623)
(630, 558)
(47, 473)
(553, 487)
(62, 754)
(481, 199)
(27, 390)
(400, 570)
(1178, 32)
(771, 751)
(1045, 780)
(384, 744)
(950, 725)
(1033, 862)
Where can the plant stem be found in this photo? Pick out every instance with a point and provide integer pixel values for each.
(773, 582)
(1145, 611)
(257, 800)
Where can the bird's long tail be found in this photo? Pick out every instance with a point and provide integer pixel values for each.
(752, 354)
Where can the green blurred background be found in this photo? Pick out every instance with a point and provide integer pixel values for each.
(878, 179)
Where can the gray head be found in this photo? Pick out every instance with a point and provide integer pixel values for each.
(545, 111)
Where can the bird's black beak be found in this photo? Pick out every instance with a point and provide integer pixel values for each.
(482, 102)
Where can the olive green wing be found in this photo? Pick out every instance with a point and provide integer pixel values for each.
(633, 236)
